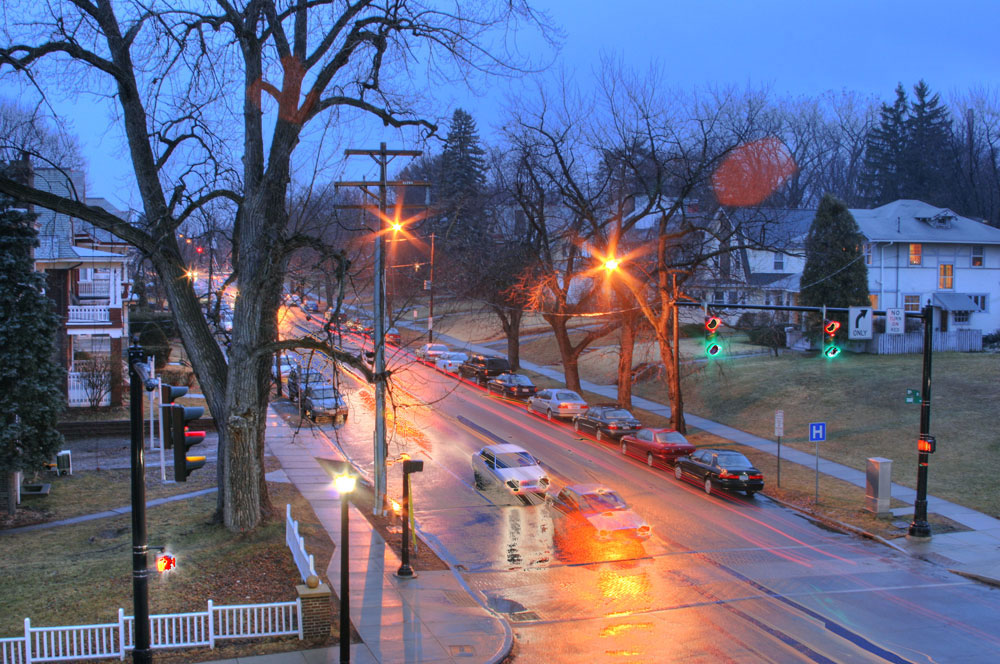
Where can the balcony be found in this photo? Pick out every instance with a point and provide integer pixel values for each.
(100, 288)
(90, 315)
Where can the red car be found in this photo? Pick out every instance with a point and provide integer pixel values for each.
(657, 446)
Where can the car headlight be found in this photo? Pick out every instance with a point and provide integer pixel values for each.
(514, 484)
(544, 481)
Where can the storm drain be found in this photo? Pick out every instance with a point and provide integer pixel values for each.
(524, 616)
(459, 598)
(462, 651)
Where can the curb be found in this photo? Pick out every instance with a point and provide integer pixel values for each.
(988, 580)
(840, 525)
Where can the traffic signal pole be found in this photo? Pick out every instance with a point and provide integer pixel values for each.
(142, 654)
(920, 527)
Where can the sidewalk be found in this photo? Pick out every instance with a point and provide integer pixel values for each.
(432, 617)
(974, 553)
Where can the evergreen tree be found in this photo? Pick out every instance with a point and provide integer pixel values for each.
(31, 395)
(463, 178)
(885, 152)
(835, 273)
(928, 148)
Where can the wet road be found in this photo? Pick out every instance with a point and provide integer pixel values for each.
(724, 578)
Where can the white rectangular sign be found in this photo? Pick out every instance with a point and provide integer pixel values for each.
(859, 323)
(895, 321)
(779, 423)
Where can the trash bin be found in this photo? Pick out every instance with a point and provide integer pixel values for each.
(64, 463)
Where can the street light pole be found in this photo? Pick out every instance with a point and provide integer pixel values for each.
(430, 312)
(409, 466)
(142, 653)
(345, 485)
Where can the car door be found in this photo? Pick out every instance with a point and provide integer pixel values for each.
(539, 401)
(644, 440)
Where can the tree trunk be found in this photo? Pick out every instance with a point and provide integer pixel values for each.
(567, 352)
(667, 351)
(511, 323)
(630, 324)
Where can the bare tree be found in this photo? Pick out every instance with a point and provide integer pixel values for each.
(192, 79)
(98, 377)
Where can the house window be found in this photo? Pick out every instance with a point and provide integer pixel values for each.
(873, 300)
(916, 253)
(977, 255)
(946, 276)
(960, 316)
(734, 297)
(718, 297)
(867, 248)
(911, 302)
(981, 301)
(779, 262)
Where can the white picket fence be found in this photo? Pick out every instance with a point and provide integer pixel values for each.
(304, 561)
(171, 630)
(962, 341)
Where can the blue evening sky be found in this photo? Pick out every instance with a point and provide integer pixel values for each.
(795, 47)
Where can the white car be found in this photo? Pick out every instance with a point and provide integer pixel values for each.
(599, 512)
(450, 361)
(510, 466)
(558, 402)
(431, 351)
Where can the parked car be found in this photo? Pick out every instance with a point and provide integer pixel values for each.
(285, 366)
(510, 466)
(558, 402)
(512, 385)
(720, 468)
(431, 351)
(483, 367)
(300, 377)
(598, 512)
(392, 336)
(311, 306)
(450, 361)
(657, 446)
(322, 400)
(607, 422)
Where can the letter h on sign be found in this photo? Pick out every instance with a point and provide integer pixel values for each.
(817, 431)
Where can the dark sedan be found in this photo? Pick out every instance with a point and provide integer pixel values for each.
(607, 422)
(724, 469)
(659, 447)
(512, 385)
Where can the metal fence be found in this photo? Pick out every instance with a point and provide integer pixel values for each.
(173, 630)
(304, 561)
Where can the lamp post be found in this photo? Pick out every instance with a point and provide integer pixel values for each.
(345, 485)
(409, 466)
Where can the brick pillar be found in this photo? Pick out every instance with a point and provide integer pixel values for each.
(316, 610)
(117, 380)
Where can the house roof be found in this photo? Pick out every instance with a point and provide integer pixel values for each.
(955, 302)
(915, 221)
(779, 228)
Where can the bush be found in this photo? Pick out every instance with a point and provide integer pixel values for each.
(991, 339)
(178, 376)
(154, 341)
(140, 321)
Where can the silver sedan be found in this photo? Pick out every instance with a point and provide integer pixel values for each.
(557, 402)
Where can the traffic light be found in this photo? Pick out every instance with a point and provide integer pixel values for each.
(830, 348)
(183, 439)
(167, 395)
(712, 346)
(926, 444)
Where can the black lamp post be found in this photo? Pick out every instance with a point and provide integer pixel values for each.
(345, 485)
(409, 466)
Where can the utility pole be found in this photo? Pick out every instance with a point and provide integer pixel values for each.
(430, 310)
(382, 157)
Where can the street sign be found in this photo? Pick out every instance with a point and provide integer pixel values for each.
(895, 321)
(859, 323)
(817, 432)
(779, 423)
(912, 396)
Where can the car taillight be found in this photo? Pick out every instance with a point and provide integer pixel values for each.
(756, 477)
(544, 481)
(612, 426)
(604, 533)
(565, 405)
(643, 530)
(725, 474)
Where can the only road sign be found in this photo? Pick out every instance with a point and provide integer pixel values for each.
(817, 432)
(859, 323)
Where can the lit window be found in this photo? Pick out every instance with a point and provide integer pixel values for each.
(867, 248)
(916, 253)
(946, 276)
(779, 262)
(911, 302)
(977, 255)
(873, 300)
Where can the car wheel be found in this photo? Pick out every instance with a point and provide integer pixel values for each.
(478, 479)
(624, 448)
(708, 485)
(750, 493)
(649, 459)
(600, 436)
(678, 472)
(576, 425)
(548, 413)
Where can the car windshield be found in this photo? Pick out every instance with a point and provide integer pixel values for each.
(515, 460)
(727, 459)
(520, 380)
(618, 414)
(602, 501)
(568, 396)
(671, 437)
(326, 393)
(459, 357)
(436, 348)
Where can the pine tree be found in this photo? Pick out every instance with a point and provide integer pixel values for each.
(928, 148)
(31, 396)
(835, 273)
(463, 178)
(885, 153)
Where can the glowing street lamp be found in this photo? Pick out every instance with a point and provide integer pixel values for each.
(611, 265)
(345, 485)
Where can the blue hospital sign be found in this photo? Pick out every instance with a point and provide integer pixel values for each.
(817, 431)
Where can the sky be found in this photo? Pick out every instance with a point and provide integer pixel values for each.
(794, 47)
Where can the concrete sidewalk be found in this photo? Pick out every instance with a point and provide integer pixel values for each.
(433, 617)
(974, 553)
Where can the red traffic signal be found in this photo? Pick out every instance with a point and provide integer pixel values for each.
(831, 327)
(199, 249)
(712, 323)
(165, 562)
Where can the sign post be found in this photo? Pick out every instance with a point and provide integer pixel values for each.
(817, 433)
(779, 431)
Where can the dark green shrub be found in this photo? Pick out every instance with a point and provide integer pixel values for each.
(154, 341)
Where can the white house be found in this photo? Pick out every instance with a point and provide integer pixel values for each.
(916, 254)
